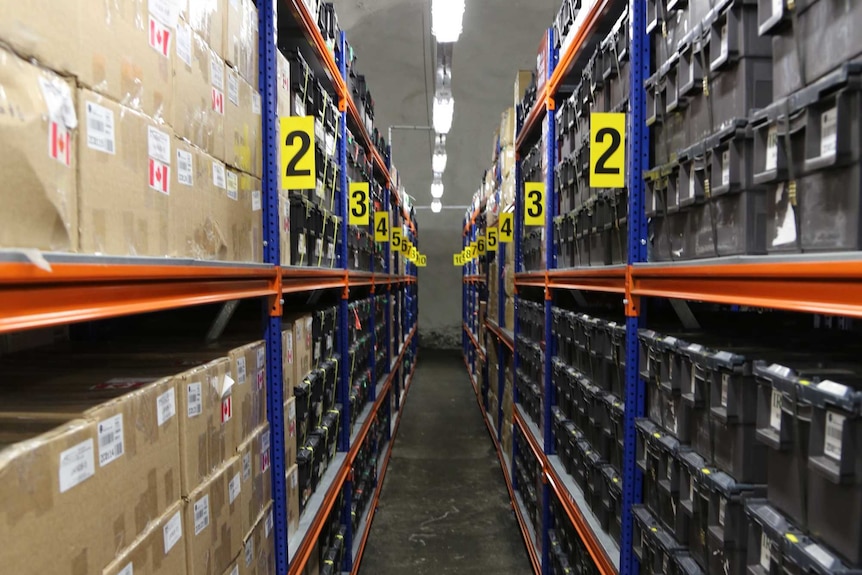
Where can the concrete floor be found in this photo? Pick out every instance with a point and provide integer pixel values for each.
(444, 506)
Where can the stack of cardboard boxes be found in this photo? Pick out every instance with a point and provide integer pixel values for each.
(144, 461)
(136, 129)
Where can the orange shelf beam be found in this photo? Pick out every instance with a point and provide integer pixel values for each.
(827, 287)
(31, 297)
(475, 343)
(611, 279)
(309, 25)
(501, 335)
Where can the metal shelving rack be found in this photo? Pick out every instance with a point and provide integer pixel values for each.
(809, 283)
(68, 288)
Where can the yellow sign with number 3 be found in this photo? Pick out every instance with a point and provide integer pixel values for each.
(534, 204)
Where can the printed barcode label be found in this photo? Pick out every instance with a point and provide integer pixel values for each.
(240, 370)
(127, 570)
(185, 172)
(166, 11)
(318, 246)
(173, 531)
(110, 439)
(166, 406)
(829, 132)
(331, 254)
(832, 443)
(219, 179)
(77, 464)
(233, 87)
(234, 488)
(722, 508)
(693, 379)
(261, 357)
(300, 249)
(299, 106)
(232, 186)
(725, 168)
(255, 104)
(100, 128)
(267, 526)
(216, 71)
(195, 401)
(724, 40)
(158, 145)
(256, 201)
(329, 335)
(249, 551)
(246, 466)
(58, 101)
(184, 43)
(772, 148)
(725, 385)
(765, 552)
(202, 514)
(264, 442)
(775, 411)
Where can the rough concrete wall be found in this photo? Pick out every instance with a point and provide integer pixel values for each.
(394, 44)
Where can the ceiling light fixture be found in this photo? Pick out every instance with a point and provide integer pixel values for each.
(437, 189)
(444, 110)
(438, 161)
(446, 19)
(436, 206)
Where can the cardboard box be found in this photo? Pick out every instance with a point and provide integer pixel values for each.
(510, 313)
(290, 446)
(194, 230)
(506, 439)
(49, 476)
(507, 161)
(199, 88)
(160, 550)
(43, 30)
(255, 456)
(507, 191)
(38, 157)
(208, 19)
(242, 39)
(248, 370)
(258, 555)
(292, 480)
(206, 421)
(298, 352)
(124, 164)
(125, 52)
(523, 78)
(242, 126)
(507, 128)
(240, 212)
(284, 227)
(212, 518)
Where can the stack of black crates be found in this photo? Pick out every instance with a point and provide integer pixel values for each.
(754, 108)
(750, 455)
(588, 382)
(591, 229)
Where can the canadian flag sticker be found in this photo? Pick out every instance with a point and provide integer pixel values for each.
(160, 37)
(218, 101)
(159, 176)
(226, 409)
(60, 144)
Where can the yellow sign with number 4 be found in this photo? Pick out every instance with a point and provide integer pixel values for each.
(381, 227)
(507, 227)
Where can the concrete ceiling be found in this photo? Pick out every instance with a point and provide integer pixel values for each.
(393, 41)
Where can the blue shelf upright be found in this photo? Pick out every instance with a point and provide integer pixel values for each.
(272, 255)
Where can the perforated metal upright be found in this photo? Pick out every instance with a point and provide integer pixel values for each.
(637, 161)
(271, 254)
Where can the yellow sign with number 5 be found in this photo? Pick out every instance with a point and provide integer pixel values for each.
(492, 239)
(397, 239)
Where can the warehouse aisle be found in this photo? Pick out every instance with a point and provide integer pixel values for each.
(444, 506)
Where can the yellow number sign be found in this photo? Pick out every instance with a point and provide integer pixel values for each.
(507, 227)
(534, 204)
(298, 170)
(492, 239)
(358, 214)
(381, 227)
(607, 150)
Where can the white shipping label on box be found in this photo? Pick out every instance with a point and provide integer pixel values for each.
(58, 101)
(127, 570)
(256, 201)
(100, 128)
(77, 464)
(185, 168)
(173, 531)
(240, 370)
(255, 104)
(829, 132)
(158, 145)
(195, 400)
(232, 186)
(165, 11)
(233, 87)
(202, 514)
(246, 466)
(234, 488)
(267, 526)
(219, 175)
(249, 551)
(216, 71)
(184, 43)
(166, 406)
(833, 439)
(235, 570)
(110, 439)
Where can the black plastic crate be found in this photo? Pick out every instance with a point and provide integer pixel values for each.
(769, 536)
(654, 546)
(695, 499)
(311, 462)
(727, 535)
(302, 392)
